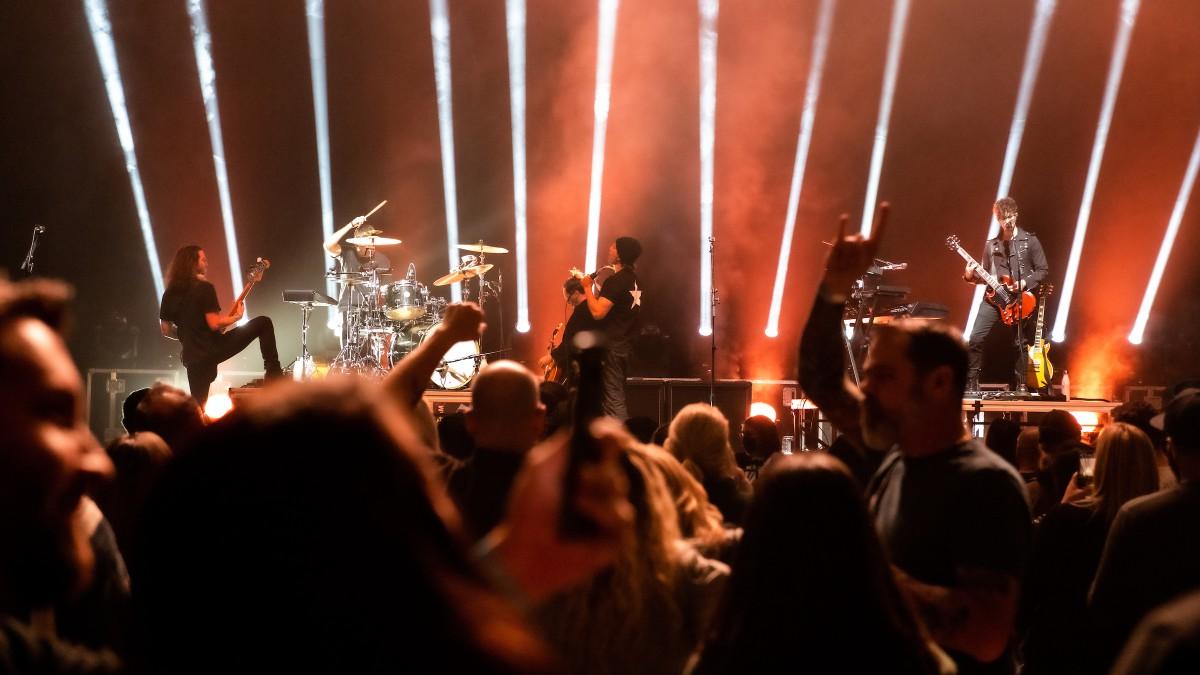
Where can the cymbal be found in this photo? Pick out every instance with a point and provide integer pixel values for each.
(347, 278)
(372, 241)
(482, 248)
(462, 274)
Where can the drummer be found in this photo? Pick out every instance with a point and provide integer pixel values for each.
(351, 259)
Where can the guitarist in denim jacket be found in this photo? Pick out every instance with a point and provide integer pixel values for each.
(1001, 256)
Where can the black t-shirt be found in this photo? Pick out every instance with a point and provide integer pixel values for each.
(579, 321)
(185, 306)
(941, 515)
(623, 291)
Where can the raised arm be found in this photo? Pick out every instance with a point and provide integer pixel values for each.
(597, 307)
(332, 245)
(822, 358)
(406, 382)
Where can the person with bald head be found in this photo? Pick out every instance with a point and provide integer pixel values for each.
(505, 420)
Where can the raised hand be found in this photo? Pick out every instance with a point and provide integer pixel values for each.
(463, 322)
(852, 255)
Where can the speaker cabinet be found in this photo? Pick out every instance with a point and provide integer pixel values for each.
(660, 398)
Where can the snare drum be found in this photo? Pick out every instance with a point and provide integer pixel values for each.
(403, 300)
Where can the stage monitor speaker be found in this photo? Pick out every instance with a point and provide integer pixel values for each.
(106, 392)
(647, 397)
(731, 397)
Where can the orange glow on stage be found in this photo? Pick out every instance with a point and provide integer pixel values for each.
(1100, 364)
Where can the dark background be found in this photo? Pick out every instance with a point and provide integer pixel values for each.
(61, 164)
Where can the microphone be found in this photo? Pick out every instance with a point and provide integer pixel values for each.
(27, 265)
(39, 229)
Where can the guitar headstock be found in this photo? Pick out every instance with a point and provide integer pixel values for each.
(952, 242)
(1045, 290)
(255, 273)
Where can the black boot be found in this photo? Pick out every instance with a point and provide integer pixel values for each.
(272, 371)
(973, 390)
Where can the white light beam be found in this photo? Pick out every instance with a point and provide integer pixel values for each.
(709, 10)
(1029, 74)
(439, 29)
(812, 92)
(106, 52)
(314, 11)
(202, 44)
(890, 69)
(604, 60)
(1116, 68)
(515, 20)
(1164, 250)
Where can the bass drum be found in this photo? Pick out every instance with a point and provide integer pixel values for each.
(459, 365)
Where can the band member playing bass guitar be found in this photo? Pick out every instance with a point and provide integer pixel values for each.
(1014, 254)
(191, 314)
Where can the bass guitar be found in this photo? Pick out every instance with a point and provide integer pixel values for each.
(253, 276)
(1040, 371)
(1002, 293)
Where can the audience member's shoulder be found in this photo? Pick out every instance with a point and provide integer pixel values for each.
(1185, 496)
(1166, 641)
(24, 651)
(976, 457)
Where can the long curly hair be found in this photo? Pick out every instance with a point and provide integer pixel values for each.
(603, 625)
(182, 270)
(698, 518)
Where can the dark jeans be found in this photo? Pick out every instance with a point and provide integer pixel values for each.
(616, 365)
(985, 322)
(201, 373)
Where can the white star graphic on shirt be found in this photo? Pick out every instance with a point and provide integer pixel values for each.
(637, 296)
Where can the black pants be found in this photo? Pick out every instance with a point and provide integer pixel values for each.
(616, 365)
(985, 322)
(201, 373)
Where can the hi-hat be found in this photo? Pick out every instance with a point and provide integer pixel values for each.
(482, 248)
(462, 275)
(373, 241)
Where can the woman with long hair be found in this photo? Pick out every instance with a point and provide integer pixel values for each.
(812, 590)
(699, 437)
(700, 522)
(647, 614)
(1067, 548)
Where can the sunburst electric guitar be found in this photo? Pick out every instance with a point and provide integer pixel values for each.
(1001, 292)
(1040, 371)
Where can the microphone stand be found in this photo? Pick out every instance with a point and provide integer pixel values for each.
(27, 266)
(714, 300)
(1022, 389)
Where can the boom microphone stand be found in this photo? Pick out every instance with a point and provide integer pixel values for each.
(714, 300)
(1022, 389)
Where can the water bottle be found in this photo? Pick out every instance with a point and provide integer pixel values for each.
(785, 445)
(1065, 385)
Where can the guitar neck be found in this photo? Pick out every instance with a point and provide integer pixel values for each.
(1037, 340)
(987, 278)
(245, 291)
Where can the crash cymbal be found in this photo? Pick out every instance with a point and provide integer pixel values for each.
(463, 274)
(373, 241)
(482, 248)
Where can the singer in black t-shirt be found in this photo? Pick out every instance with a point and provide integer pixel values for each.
(191, 314)
(616, 311)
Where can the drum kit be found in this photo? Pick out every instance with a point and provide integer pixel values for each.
(385, 320)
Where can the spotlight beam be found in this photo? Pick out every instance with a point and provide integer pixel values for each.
(1034, 50)
(439, 30)
(202, 45)
(1168, 242)
(106, 52)
(890, 70)
(1116, 68)
(812, 92)
(314, 11)
(515, 22)
(709, 11)
(604, 60)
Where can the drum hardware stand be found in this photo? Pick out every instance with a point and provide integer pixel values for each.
(303, 367)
